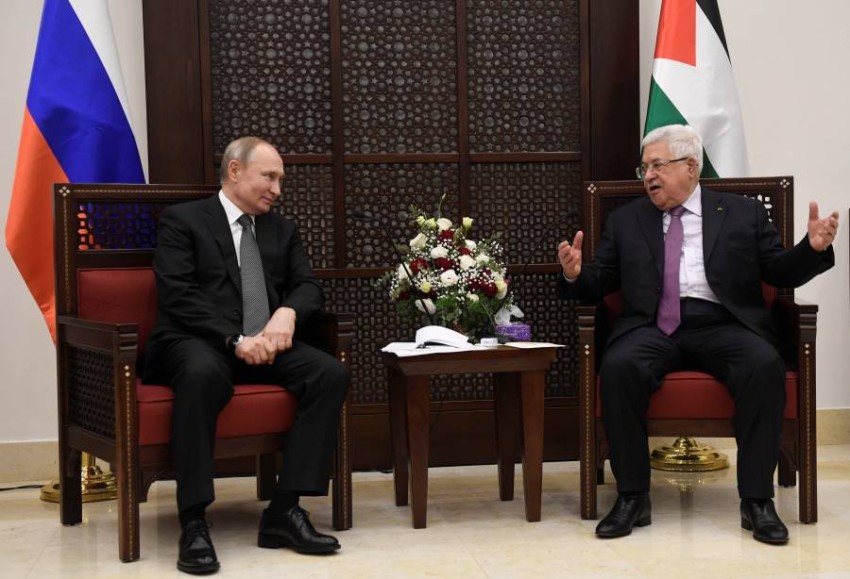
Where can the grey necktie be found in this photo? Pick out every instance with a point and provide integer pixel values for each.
(255, 300)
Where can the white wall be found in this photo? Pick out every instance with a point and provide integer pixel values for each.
(792, 65)
(27, 359)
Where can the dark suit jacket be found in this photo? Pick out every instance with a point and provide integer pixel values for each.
(197, 274)
(741, 249)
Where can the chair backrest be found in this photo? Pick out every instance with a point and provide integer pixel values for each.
(105, 236)
(776, 193)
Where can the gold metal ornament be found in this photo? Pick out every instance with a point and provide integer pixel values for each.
(96, 486)
(687, 455)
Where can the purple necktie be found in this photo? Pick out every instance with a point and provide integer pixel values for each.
(669, 313)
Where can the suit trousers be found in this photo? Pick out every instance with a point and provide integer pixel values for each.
(202, 378)
(710, 340)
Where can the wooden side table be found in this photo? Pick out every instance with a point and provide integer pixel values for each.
(519, 378)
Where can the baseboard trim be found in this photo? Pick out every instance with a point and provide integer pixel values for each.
(39, 461)
(29, 461)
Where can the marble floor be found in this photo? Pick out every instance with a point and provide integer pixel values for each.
(695, 532)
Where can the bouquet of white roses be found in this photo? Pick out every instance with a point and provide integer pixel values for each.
(451, 279)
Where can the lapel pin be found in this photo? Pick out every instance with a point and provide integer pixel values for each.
(719, 209)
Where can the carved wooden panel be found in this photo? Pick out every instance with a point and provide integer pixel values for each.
(92, 408)
(270, 73)
(109, 225)
(385, 193)
(307, 197)
(530, 204)
(524, 82)
(399, 76)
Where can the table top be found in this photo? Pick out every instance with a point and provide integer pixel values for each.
(496, 359)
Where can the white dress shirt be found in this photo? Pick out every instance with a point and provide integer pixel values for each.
(692, 280)
(233, 214)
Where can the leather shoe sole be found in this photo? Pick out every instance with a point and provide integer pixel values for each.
(207, 569)
(268, 541)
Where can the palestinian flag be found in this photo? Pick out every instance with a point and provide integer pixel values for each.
(692, 84)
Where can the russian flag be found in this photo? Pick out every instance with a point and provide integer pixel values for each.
(76, 129)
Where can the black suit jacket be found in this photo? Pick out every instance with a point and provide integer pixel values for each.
(741, 249)
(197, 274)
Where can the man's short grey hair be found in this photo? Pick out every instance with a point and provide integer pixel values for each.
(240, 150)
(682, 140)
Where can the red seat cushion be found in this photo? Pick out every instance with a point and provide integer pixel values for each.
(698, 395)
(254, 409)
(128, 295)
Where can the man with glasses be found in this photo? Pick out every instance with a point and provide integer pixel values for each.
(690, 263)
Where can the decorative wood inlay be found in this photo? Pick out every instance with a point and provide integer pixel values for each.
(270, 73)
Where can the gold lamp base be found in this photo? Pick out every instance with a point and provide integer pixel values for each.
(687, 455)
(95, 485)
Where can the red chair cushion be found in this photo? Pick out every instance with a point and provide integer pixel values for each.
(120, 295)
(698, 395)
(128, 295)
(695, 394)
(254, 409)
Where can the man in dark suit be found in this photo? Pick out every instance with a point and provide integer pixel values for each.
(710, 316)
(233, 284)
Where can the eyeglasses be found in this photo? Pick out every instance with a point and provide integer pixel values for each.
(657, 166)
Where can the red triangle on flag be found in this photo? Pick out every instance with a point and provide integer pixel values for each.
(677, 31)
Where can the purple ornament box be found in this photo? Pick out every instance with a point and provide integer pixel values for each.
(517, 332)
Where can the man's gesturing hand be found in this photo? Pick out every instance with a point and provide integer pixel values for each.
(569, 256)
(821, 231)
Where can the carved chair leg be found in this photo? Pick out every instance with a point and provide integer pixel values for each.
(266, 467)
(128, 485)
(341, 486)
(787, 466)
(70, 486)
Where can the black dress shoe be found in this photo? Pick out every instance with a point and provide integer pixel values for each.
(293, 529)
(759, 516)
(630, 510)
(197, 554)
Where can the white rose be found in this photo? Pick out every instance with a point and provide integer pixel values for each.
(467, 222)
(420, 220)
(482, 258)
(497, 277)
(429, 306)
(448, 277)
(443, 223)
(430, 223)
(425, 287)
(472, 297)
(466, 262)
(470, 245)
(418, 242)
(439, 251)
(402, 274)
(501, 289)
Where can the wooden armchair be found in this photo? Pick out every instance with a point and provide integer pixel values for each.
(106, 301)
(693, 403)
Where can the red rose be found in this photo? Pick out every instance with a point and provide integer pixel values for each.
(447, 234)
(465, 251)
(418, 265)
(444, 263)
